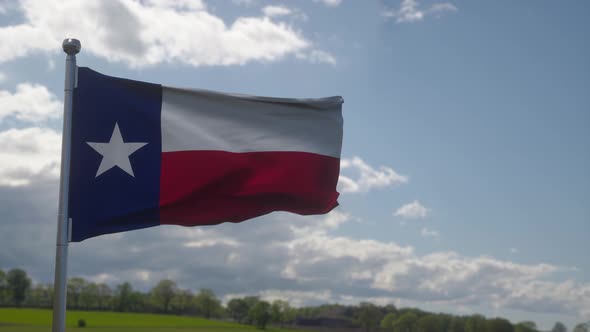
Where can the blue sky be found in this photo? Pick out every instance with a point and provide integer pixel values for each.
(465, 183)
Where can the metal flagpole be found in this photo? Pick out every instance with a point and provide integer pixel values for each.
(71, 47)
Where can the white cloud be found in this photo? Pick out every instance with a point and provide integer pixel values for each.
(50, 65)
(178, 4)
(317, 56)
(439, 8)
(281, 11)
(427, 232)
(409, 11)
(334, 263)
(545, 296)
(368, 178)
(2, 77)
(148, 33)
(21, 40)
(211, 243)
(330, 3)
(413, 210)
(446, 277)
(28, 153)
(244, 2)
(271, 11)
(32, 152)
(30, 102)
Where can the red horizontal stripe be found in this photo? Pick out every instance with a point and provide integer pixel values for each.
(210, 187)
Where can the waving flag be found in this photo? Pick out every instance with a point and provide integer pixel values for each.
(145, 154)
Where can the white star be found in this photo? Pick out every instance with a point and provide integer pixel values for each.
(115, 153)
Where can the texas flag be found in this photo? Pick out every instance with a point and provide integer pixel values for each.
(144, 155)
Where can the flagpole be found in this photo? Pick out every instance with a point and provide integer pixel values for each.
(71, 47)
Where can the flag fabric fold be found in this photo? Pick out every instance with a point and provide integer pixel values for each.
(145, 155)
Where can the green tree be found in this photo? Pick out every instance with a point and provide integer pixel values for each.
(104, 296)
(280, 312)
(290, 315)
(3, 288)
(388, 320)
(207, 303)
(559, 327)
(259, 314)
(138, 302)
(40, 296)
(499, 325)
(184, 301)
(89, 296)
(406, 322)
(312, 312)
(163, 293)
(75, 287)
(457, 324)
(368, 316)
(238, 309)
(582, 327)
(475, 323)
(389, 309)
(430, 323)
(250, 301)
(18, 284)
(123, 299)
(445, 321)
(526, 326)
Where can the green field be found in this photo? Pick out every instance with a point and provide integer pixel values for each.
(37, 320)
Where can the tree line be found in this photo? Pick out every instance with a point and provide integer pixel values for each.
(16, 289)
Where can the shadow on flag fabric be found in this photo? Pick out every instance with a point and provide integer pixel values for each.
(145, 154)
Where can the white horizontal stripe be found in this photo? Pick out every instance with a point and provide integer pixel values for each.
(206, 120)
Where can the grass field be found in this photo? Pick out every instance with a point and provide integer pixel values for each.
(37, 320)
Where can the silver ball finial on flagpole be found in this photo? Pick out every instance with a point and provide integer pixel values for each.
(71, 46)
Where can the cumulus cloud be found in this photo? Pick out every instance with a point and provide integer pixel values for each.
(178, 4)
(28, 153)
(440, 8)
(50, 65)
(427, 232)
(330, 3)
(545, 296)
(409, 11)
(317, 56)
(368, 177)
(150, 32)
(244, 2)
(281, 12)
(446, 277)
(413, 210)
(271, 11)
(30, 103)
